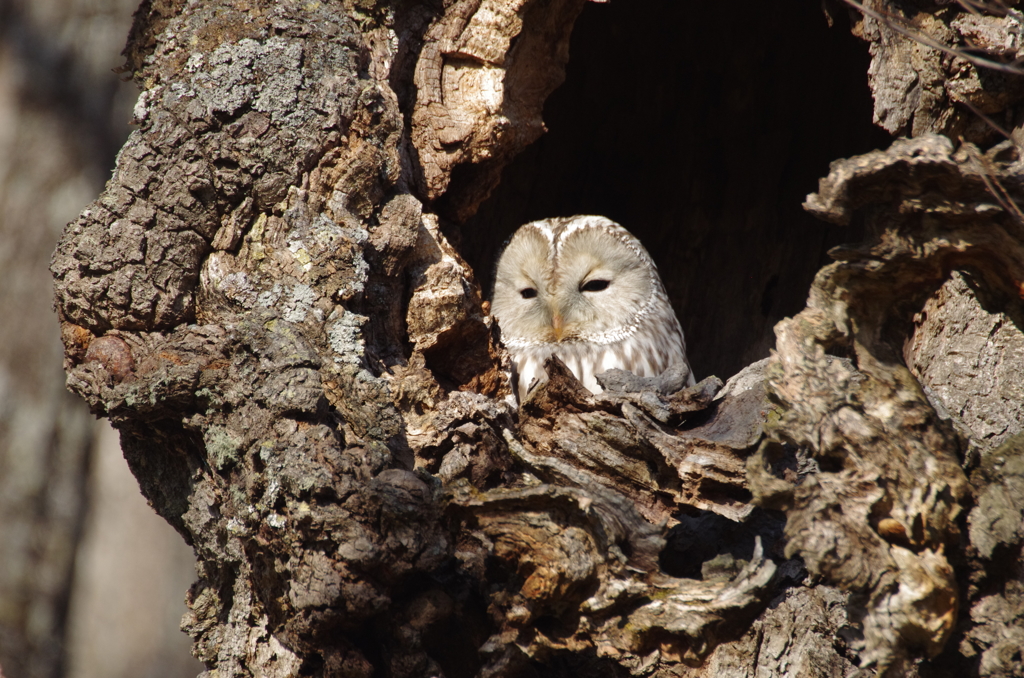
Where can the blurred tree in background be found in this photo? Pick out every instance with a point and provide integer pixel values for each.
(70, 512)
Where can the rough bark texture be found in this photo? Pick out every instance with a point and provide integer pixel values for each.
(267, 303)
(919, 87)
(961, 214)
(935, 210)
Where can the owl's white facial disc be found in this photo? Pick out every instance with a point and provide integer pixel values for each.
(580, 279)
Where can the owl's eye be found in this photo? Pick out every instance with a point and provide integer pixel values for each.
(528, 293)
(594, 286)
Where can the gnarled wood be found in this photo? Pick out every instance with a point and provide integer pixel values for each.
(888, 459)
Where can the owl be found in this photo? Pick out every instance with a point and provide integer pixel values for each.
(584, 289)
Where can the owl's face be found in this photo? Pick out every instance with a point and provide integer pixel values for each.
(582, 279)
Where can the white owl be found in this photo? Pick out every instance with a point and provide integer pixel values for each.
(584, 289)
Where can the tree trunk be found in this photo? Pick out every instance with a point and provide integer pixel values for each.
(273, 304)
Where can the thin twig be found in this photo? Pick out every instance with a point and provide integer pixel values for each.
(969, 6)
(979, 7)
(992, 183)
(932, 42)
(992, 123)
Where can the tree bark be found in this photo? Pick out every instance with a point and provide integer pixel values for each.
(270, 303)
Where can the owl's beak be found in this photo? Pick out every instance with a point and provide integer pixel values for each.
(558, 325)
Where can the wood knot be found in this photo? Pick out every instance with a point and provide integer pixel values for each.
(113, 354)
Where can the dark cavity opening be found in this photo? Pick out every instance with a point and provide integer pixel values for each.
(701, 127)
